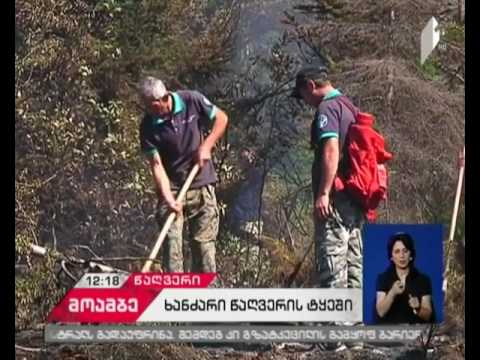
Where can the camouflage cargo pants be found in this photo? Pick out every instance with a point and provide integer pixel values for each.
(338, 245)
(201, 213)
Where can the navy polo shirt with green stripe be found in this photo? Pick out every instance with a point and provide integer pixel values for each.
(177, 137)
(332, 120)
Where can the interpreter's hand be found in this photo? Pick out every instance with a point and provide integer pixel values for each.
(322, 207)
(397, 288)
(204, 154)
(413, 302)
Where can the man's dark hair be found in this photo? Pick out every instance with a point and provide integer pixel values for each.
(406, 240)
(319, 74)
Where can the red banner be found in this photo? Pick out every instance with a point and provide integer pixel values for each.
(124, 304)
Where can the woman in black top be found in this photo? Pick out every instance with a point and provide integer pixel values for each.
(404, 295)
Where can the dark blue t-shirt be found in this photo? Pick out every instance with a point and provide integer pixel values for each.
(332, 120)
(177, 137)
(416, 285)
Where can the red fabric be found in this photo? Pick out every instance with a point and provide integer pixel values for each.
(367, 178)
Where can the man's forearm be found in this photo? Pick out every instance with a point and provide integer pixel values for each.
(161, 179)
(329, 166)
(219, 127)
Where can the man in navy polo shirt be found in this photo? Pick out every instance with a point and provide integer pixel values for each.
(172, 137)
(338, 219)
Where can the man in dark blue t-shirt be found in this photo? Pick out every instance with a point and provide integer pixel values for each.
(338, 219)
(172, 137)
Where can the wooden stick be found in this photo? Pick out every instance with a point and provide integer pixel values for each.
(453, 222)
(170, 219)
(42, 251)
(295, 272)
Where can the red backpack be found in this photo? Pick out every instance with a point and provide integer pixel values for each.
(366, 179)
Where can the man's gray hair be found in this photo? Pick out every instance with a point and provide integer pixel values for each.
(153, 88)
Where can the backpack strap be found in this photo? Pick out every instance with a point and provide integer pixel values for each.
(343, 165)
(353, 110)
(349, 105)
